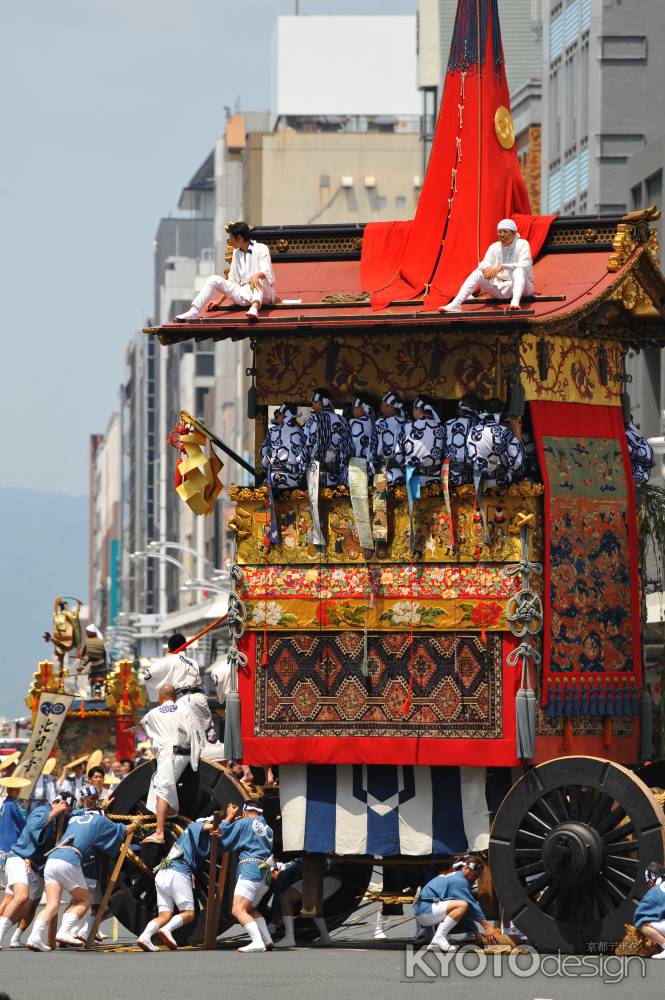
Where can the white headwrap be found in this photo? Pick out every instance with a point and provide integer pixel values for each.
(93, 630)
(507, 224)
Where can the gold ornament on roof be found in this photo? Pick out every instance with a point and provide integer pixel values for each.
(503, 126)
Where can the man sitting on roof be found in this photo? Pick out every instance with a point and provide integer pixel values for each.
(250, 283)
(505, 273)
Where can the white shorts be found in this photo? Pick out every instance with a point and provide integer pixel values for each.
(17, 873)
(439, 910)
(658, 925)
(170, 767)
(173, 889)
(64, 873)
(253, 891)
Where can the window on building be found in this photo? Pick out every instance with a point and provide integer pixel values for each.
(572, 21)
(556, 36)
(654, 189)
(205, 364)
(584, 170)
(400, 203)
(555, 112)
(636, 198)
(586, 14)
(554, 191)
(200, 402)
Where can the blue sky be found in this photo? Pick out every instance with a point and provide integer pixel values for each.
(106, 110)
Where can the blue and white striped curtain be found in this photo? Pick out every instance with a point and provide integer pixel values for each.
(385, 810)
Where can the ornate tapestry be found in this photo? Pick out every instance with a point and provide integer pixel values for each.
(573, 370)
(441, 598)
(505, 512)
(590, 580)
(592, 618)
(334, 685)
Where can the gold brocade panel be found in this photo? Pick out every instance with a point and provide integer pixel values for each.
(573, 370)
(505, 513)
(291, 368)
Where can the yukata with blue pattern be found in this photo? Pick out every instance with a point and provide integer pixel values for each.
(283, 452)
(421, 444)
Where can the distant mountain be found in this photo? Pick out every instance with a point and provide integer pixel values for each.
(43, 552)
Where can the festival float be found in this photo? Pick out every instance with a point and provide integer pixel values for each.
(458, 668)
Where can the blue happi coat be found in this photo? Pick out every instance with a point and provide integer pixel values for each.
(494, 453)
(453, 886)
(455, 433)
(328, 441)
(192, 848)
(252, 838)
(36, 838)
(363, 436)
(651, 907)
(86, 833)
(12, 821)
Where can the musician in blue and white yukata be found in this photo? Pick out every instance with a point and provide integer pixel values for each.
(252, 838)
(456, 433)
(363, 432)
(495, 454)
(86, 832)
(174, 883)
(421, 442)
(388, 429)
(328, 440)
(642, 458)
(283, 449)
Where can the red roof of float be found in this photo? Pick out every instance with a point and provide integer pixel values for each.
(568, 285)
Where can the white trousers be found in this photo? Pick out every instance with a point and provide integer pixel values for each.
(514, 290)
(174, 888)
(164, 781)
(242, 295)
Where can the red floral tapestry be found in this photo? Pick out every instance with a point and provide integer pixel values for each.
(392, 698)
(592, 617)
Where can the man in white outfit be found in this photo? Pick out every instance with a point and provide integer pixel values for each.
(184, 674)
(251, 281)
(505, 273)
(169, 728)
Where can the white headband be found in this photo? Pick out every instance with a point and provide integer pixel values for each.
(507, 224)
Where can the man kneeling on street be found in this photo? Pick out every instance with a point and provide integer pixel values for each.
(447, 901)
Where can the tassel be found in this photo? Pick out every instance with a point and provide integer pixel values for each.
(550, 700)
(584, 707)
(232, 730)
(264, 655)
(607, 731)
(568, 720)
(576, 699)
(365, 666)
(81, 709)
(646, 723)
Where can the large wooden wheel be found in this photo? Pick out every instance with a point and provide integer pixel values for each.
(200, 793)
(568, 849)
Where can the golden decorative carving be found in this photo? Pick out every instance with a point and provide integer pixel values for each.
(281, 246)
(623, 245)
(503, 126)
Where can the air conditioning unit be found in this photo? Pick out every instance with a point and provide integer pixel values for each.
(347, 182)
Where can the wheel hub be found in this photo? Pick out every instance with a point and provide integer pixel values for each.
(573, 852)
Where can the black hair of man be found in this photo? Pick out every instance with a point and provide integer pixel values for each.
(476, 860)
(126, 760)
(658, 871)
(176, 641)
(97, 769)
(240, 229)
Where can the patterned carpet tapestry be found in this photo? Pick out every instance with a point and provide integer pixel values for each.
(592, 621)
(388, 698)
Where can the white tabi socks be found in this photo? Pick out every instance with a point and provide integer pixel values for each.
(144, 940)
(379, 930)
(166, 932)
(5, 924)
(440, 942)
(322, 928)
(16, 938)
(67, 932)
(265, 933)
(256, 940)
(38, 940)
(289, 939)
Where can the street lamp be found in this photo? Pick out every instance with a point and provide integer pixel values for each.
(157, 555)
(157, 545)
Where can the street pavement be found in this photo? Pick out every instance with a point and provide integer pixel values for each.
(355, 967)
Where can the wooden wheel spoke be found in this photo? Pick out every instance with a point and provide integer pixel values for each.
(612, 820)
(622, 831)
(541, 822)
(538, 883)
(527, 852)
(556, 819)
(621, 862)
(615, 875)
(533, 869)
(530, 836)
(548, 897)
